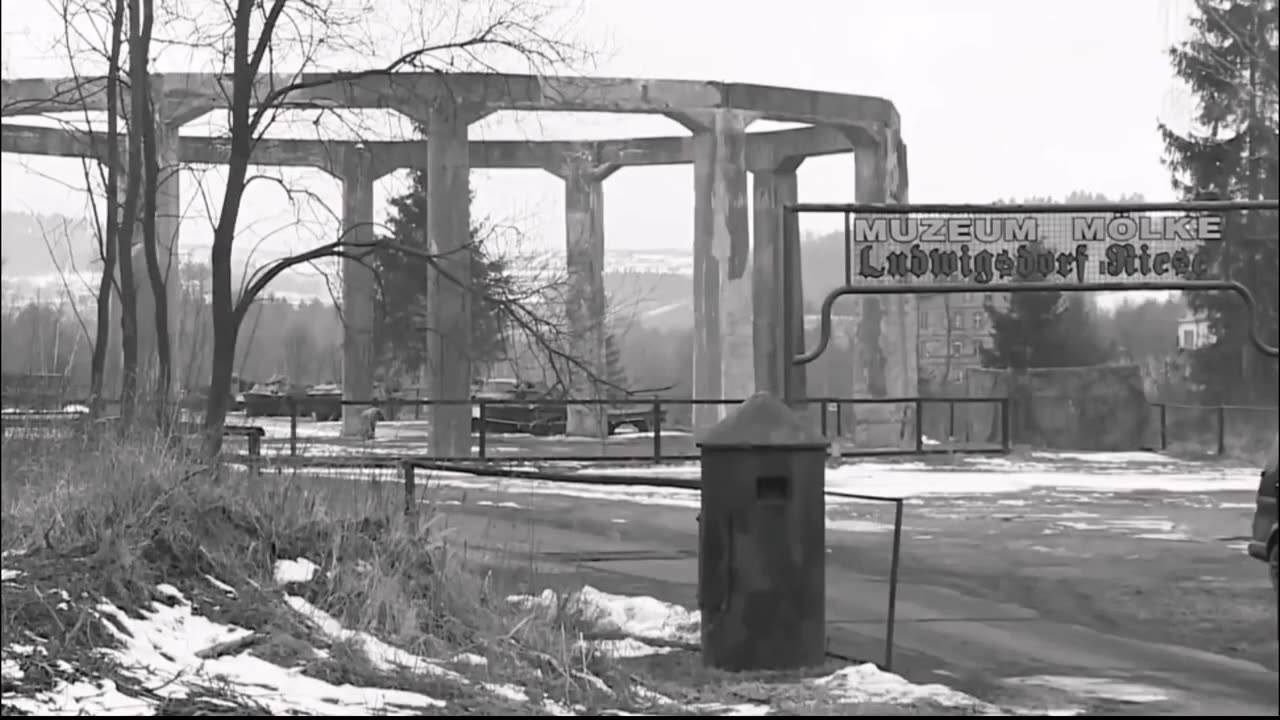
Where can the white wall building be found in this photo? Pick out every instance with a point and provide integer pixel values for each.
(1193, 332)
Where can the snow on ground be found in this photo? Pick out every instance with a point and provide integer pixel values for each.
(642, 618)
(651, 626)
(907, 479)
(975, 475)
(166, 651)
(295, 571)
(1074, 476)
(1099, 688)
(162, 651)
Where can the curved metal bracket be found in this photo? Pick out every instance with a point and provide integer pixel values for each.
(824, 338)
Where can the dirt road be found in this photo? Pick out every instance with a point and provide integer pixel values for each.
(1044, 600)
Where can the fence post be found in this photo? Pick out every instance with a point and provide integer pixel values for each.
(484, 427)
(255, 453)
(1164, 426)
(822, 412)
(951, 419)
(1006, 441)
(293, 427)
(1222, 430)
(410, 491)
(657, 430)
(919, 425)
(839, 419)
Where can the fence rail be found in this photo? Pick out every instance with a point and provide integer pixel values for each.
(1221, 429)
(648, 429)
(655, 438)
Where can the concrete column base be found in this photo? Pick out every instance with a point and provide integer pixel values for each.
(352, 424)
(586, 421)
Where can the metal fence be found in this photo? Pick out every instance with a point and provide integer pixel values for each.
(1239, 430)
(646, 436)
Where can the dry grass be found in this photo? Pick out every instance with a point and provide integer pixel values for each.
(87, 518)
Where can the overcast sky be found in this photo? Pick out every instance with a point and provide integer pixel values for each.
(999, 99)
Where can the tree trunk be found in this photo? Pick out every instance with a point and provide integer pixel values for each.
(144, 120)
(102, 334)
(224, 347)
(108, 235)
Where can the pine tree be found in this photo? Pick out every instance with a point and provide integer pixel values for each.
(1023, 335)
(401, 331)
(1046, 329)
(1231, 65)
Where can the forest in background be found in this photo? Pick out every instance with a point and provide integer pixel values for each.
(302, 340)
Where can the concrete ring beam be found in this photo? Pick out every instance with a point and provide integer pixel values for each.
(763, 149)
(414, 93)
(737, 291)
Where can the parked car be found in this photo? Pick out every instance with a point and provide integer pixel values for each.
(1265, 544)
(512, 405)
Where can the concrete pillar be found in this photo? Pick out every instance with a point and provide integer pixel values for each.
(168, 220)
(449, 290)
(774, 189)
(585, 297)
(885, 333)
(721, 256)
(168, 225)
(170, 114)
(359, 291)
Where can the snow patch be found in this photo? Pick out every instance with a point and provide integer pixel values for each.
(504, 504)
(295, 571)
(868, 684)
(638, 617)
(857, 526)
(160, 652)
(383, 656)
(1096, 687)
(220, 585)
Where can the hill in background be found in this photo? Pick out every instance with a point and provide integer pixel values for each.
(647, 287)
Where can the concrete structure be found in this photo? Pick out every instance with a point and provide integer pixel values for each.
(762, 551)
(738, 297)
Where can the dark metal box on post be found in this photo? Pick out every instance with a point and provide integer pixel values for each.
(762, 541)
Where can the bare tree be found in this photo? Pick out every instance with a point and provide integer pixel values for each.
(114, 34)
(260, 33)
(266, 54)
(141, 24)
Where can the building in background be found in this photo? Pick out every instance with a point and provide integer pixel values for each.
(1193, 332)
(953, 329)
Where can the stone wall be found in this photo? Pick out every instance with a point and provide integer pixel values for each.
(1087, 408)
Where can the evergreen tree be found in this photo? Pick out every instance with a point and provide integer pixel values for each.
(1046, 329)
(401, 331)
(1022, 335)
(1231, 65)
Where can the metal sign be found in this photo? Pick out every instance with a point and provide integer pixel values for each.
(947, 249)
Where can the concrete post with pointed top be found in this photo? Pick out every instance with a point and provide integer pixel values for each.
(762, 540)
